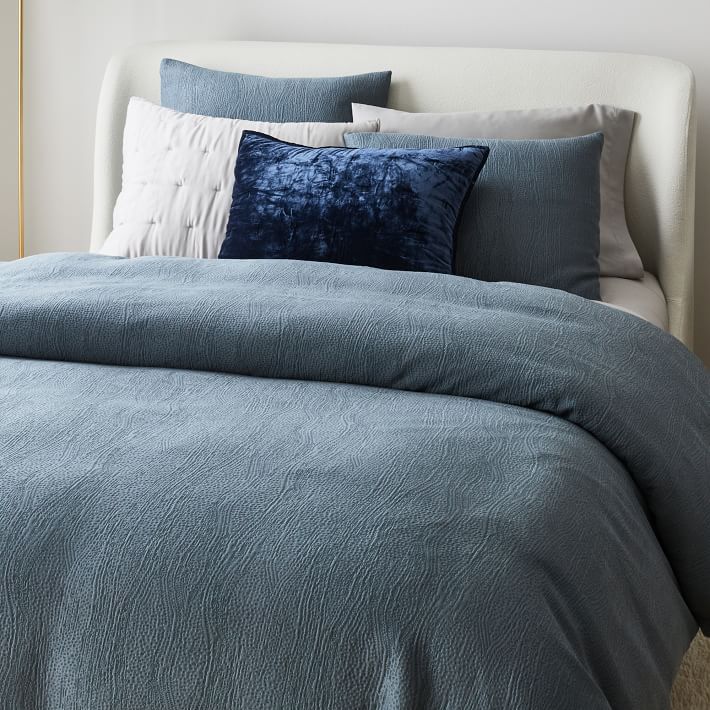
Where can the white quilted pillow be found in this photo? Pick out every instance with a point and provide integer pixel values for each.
(178, 174)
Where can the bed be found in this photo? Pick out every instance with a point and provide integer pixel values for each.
(660, 186)
(269, 483)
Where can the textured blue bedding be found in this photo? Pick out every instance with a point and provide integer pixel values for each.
(278, 484)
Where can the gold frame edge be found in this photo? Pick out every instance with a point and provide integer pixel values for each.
(20, 132)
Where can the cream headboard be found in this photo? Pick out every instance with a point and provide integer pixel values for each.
(660, 180)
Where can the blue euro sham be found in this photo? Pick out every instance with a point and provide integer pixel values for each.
(393, 209)
(192, 89)
(533, 216)
(284, 484)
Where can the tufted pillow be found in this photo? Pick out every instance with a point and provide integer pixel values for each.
(533, 216)
(392, 209)
(178, 172)
(192, 89)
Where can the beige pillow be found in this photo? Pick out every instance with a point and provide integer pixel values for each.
(618, 255)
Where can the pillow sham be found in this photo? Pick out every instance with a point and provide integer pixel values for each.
(392, 209)
(618, 255)
(533, 216)
(178, 171)
(192, 89)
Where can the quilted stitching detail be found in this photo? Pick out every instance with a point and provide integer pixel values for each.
(178, 170)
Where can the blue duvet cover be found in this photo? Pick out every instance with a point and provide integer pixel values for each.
(297, 485)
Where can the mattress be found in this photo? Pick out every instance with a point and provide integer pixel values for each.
(643, 298)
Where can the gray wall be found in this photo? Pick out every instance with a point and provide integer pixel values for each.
(69, 42)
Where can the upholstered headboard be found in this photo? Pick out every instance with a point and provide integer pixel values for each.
(660, 180)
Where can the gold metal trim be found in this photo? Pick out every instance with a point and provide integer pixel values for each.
(21, 131)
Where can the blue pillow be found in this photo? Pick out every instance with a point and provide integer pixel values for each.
(392, 209)
(191, 89)
(533, 216)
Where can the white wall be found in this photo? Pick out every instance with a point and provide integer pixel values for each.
(69, 42)
(8, 129)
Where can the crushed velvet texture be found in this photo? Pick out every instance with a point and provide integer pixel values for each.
(392, 209)
(533, 216)
(192, 89)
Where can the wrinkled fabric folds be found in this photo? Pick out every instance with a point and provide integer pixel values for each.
(292, 484)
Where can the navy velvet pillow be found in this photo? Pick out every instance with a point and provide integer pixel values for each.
(191, 89)
(392, 209)
(533, 216)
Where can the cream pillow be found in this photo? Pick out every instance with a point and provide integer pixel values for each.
(178, 175)
(617, 255)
